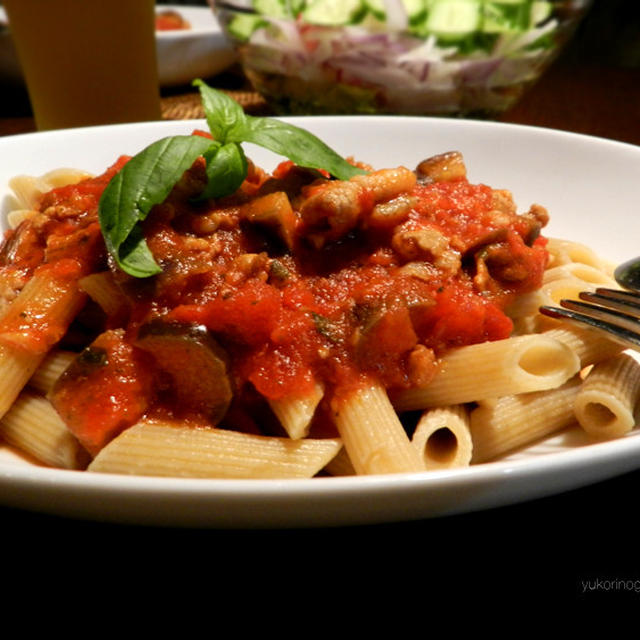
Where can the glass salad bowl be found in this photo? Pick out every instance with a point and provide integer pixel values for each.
(471, 58)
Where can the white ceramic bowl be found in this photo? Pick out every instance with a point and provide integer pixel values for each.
(199, 52)
(574, 176)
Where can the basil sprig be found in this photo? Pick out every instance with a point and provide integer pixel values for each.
(148, 178)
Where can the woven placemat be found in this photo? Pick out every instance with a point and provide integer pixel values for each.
(188, 106)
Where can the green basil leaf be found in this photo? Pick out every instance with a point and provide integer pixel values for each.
(225, 116)
(135, 257)
(226, 170)
(299, 145)
(146, 180)
(228, 123)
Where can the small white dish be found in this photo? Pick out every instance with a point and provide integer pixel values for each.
(201, 51)
(589, 186)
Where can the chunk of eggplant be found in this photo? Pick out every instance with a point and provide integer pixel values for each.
(195, 363)
(442, 168)
(105, 390)
(272, 211)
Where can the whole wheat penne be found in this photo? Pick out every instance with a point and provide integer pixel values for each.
(27, 190)
(17, 216)
(564, 251)
(511, 422)
(340, 465)
(442, 437)
(372, 433)
(103, 290)
(33, 426)
(606, 405)
(17, 366)
(588, 274)
(549, 294)
(166, 449)
(34, 321)
(296, 412)
(516, 365)
(589, 345)
(50, 369)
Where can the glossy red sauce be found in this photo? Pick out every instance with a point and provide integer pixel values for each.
(170, 21)
(348, 311)
(286, 318)
(60, 246)
(106, 390)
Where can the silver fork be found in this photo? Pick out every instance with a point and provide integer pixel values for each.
(614, 311)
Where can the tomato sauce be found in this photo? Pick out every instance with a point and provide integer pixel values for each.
(170, 21)
(349, 311)
(105, 390)
(289, 317)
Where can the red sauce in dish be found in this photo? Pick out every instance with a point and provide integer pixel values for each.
(170, 21)
(287, 311)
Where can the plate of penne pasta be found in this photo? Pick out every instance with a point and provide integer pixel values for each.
(308, 321)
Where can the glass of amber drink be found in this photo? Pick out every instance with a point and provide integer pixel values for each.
(87, 62)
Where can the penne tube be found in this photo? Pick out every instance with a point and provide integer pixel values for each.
(33, 426)
(586, 273)
(566, 251)
(372, 433)
(34, 321)
(102, 289)
(589, 345)
(295, 413)
(50, 369)
(606, 405)
(522, 364)
(549, 294)
(509, 423)
(526, 325)
(443, 438)
(340, 465)
(174, 450)
(41, 313)
(28, 190)
(17, 366)
(18, 216)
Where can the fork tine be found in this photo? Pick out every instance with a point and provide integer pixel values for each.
(623, 334)
(611, 315)
(625, 301)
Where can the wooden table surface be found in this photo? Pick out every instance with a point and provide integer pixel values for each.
(584, 96)
(571, 546)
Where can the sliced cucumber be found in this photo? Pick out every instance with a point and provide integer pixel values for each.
(506, 17)
(416, 9)
(376, 9)
(242, 25)
(272, 8)
(454, 19)
(332, 13)
(540, 11)
(295, 6)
